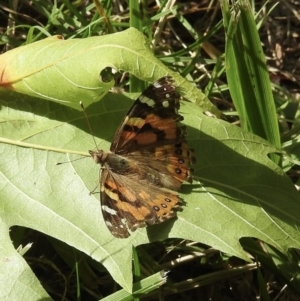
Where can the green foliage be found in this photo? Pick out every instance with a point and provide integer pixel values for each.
(42, 193)
(238, 191)
(247, 75)
(75, 66)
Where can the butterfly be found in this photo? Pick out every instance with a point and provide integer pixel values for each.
(148, 160)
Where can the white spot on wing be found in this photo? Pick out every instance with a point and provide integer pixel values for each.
(165, 104)
(144, 99)
(157, 85)
(109, 224)
(109, 210)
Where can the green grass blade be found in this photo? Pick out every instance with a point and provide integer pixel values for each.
(248, 77)
(136, 21)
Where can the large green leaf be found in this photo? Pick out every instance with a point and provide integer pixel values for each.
(66, 71)
(242, 193)
(16, 277)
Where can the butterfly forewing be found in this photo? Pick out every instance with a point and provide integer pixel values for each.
(151, 119)
(148, 161)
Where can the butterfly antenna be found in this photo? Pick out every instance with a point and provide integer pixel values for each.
(59, 163)
(88, 122)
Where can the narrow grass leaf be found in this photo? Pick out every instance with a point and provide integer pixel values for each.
(248, 77)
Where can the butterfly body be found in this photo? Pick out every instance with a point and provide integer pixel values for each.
(111, 161)
(147, 162)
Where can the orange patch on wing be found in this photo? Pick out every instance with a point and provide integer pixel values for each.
(171, 134)
(160, 123)
(139, 213)
(150, 137)
(146, 138)
(111, 185)
(128, 195)
(144, 195)
(129, 134)
(126, 136)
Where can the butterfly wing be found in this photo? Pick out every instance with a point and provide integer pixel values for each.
(113, 217)
(152, 119)
(130, 204)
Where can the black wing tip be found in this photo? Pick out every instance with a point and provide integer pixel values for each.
(165, 81)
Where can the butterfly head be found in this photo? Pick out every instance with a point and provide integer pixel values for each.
(99, 156)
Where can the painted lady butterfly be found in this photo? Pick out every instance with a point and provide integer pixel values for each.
(147, 163)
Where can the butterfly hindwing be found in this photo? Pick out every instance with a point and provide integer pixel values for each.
(127, 204)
